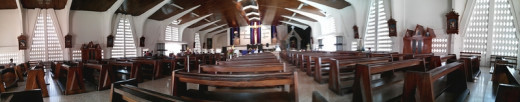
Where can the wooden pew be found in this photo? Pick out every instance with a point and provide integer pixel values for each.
(341, 82)
(446, 83)
(504, 85)
(22, 96)
(472, 64)
(322, 64)
(119, 67)
(388, 87)
(155, 68)
(105, 77)
(8, 78)
(35, 80)
(504, 60)
(127, 91)
(70, 78)
(180, 79)
(244, 68)
(438, 61)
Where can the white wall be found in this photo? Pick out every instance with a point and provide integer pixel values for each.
(10, 29)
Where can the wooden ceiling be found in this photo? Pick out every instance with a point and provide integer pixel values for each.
(227, 11)
(31, 4)
(8, 4)
(137, 7)
(92, 5)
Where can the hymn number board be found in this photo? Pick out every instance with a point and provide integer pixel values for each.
(418, 41)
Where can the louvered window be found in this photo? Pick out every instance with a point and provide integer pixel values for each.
(197, 43)
(15, 55)
(45, 43)
(376, 36)
(440, 46)
(354, 45)
(171, 33)
(76, 54)
(124, 45)
(491, 30)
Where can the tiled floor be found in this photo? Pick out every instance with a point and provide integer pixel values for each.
(306, 86)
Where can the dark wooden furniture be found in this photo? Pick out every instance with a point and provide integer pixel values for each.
(22, 96)
(418, 41)
(505, 85)
(180, 79)
(147, 65)
(322, 66)
(127, 91)
(103, 79)
(505, 60)
(388, 87)
(126, 68)
(316, 97)
(472, 64)
(446, 83)
(35, 80)
(341, 73)
(90, 51)
(8, 79)
(70, 78)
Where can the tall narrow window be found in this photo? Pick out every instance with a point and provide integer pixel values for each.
(124, 44)
(320, 44)
(339, 43)
(505, 41)
(376, 36)
(440, 46)
(45, 43)
(197, 43)
(171, 33)
(491, 30)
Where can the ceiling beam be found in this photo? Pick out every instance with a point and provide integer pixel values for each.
(317, 5)
(154, 9)
(205, 25)
(298, 20)
(177, 16)
(295, 24)
(307, 14)
(196, 20)
(214, 28)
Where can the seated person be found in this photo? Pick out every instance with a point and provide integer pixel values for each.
(10, 64)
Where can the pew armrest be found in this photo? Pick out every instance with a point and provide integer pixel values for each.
(132, 82)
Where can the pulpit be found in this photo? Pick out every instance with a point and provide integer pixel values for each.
(418, 41)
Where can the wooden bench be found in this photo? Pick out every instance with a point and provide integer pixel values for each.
(127, 91)
(244, 68)
(339, 80)
(22, 96)
(103, 80)
(8, 79)
(151, 66)
(504, 85)
(388, 87)
(322, 66)
(35, 80)
(125, 68)
(180, 80)
(70, 78)
(472, 64)
(446, 83)
(507, 60)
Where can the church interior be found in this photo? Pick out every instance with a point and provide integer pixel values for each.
(259, 50)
